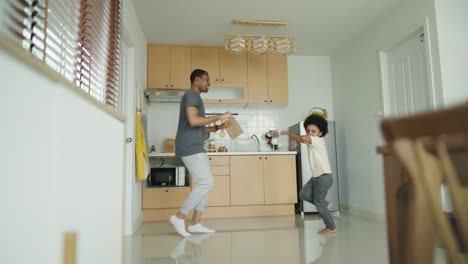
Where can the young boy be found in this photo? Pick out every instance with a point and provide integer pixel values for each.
(317, 187)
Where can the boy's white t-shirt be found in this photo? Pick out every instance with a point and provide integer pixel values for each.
(318, 157)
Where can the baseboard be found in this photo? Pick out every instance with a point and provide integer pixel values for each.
(217, 212)
(366, 213)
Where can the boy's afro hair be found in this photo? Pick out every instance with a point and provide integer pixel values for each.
(319, 121)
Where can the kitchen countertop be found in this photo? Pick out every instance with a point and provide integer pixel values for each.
(172, 155)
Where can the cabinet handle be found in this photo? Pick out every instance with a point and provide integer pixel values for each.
(222, 80)
(172, 85)
(167, 190)
(266, 101)
(260, 158)
(266, 158)
(271, 101)
(166, 85)
(209, 158)
(216, 79)
(220, 101)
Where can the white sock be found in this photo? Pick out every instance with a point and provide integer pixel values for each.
(198, 228)
(179, 225)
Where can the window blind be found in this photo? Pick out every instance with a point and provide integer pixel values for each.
(79, 39)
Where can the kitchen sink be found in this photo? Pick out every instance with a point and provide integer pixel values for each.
(244, 145)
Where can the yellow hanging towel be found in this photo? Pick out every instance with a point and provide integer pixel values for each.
(141, 154)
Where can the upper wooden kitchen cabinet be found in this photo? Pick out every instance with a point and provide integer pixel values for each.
(232, 67)
(222, 66)
(169, 67)
(277, 78)
(258, 78)
(268, 79)
(280, 179)
(206, 58)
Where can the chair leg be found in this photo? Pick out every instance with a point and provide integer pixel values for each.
(420, 244)
(69, 248)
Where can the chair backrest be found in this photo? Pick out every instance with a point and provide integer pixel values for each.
(420, 143)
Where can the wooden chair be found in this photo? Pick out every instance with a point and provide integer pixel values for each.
(458, 187)
(69, 248)
(421, 144)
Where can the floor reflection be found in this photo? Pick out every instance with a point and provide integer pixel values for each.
(261, 240)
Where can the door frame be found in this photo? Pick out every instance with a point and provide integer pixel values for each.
(129, 92)
(434, 91)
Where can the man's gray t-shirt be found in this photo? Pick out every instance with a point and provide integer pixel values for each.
(189, 140)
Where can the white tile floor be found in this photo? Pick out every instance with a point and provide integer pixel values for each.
(262, 240)
(266, 240)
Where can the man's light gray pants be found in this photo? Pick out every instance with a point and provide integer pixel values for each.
(199, 167)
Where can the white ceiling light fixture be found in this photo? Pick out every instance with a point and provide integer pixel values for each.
(258, 44)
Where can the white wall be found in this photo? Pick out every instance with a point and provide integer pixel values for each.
(309, 82)
(452, 29)
(309, 85)
(61, 169)
(135, 39)
(357, 100)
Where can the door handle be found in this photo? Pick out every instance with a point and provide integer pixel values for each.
(129, 140)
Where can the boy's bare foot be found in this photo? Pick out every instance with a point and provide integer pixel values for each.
(327, 231)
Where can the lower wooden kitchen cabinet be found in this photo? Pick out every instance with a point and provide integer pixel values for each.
(220, 195)
(247, 180)
(280, 179)
(263, 180)
(244, 186)
(154, 198)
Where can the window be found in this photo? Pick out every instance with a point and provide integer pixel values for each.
(78, 39)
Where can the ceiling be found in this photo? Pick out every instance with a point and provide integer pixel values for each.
(320, 26)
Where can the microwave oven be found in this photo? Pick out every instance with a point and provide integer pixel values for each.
(166, 176)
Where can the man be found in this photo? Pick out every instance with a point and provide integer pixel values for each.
(191, 133)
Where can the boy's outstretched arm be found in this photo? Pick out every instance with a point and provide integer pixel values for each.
(297, 138)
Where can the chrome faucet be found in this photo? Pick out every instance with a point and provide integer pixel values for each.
(258, 142)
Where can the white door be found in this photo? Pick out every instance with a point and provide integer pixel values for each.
(405, 78)
(405, 85)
